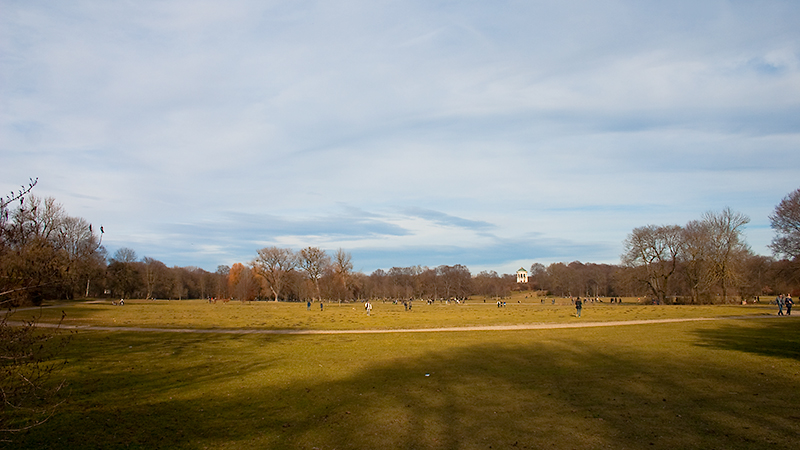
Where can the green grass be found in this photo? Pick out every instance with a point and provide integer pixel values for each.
(729, 383)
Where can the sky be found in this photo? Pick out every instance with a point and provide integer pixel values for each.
(489, 134)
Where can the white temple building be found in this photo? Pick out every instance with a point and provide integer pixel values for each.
(522, 275)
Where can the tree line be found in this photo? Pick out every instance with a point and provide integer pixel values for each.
(705, 261)
(283, 274)
(47, 254)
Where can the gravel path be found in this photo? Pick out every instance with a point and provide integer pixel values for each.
(533, 326)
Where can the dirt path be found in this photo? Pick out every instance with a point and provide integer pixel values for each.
(533, 326)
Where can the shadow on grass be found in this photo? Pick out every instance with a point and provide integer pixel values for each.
(568, 391)
(776, 338)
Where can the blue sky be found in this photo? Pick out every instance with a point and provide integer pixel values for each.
(490, 134)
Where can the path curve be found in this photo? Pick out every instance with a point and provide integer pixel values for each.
(533, 326)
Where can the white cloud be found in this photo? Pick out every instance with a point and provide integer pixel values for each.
(198, 131)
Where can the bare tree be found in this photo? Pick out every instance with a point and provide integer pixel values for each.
(786, 223)
(314, 262)
(455, 281)
(728, 248)
(696, 257)
(156, 277)
(342, 269)
(274, 265)
(125, 273)
(124, 255)
(653, 250)
(28, 388)
(44, 252)
(221, 281)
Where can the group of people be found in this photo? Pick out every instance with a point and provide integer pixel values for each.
(784, 301)
(321, 305)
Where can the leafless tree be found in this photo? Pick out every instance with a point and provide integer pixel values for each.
(785, 220)
(29, 392)
(221, 278)
(155, 278)
(653, 251)
(343, 272)
(314, 262)
(696, 257)
(274, 265)
(728, 248)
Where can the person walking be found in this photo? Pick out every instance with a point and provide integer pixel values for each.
(368, 307)
(578, 306)
(780, 303)
(788, 302)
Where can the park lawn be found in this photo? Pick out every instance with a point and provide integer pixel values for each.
(347, 316)
(728, 383)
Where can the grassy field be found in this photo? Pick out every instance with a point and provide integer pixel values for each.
(730, 383)
(385, 315)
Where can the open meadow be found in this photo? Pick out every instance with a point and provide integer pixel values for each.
(726, 383)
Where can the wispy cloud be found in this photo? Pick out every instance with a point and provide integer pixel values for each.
(447, 220)
(472, 133)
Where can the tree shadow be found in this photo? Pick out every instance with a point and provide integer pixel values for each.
(559, 392)
(775, 338)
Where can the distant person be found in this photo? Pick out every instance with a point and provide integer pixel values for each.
(578, 306)
(308, 306)
(788, 302)
(321, 305)
(368, 307)
(780, 301)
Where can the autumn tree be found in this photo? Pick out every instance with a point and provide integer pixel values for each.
(242, 282)
(274, 266)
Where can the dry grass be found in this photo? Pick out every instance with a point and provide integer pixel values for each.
(722, 384)
(385, 315)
